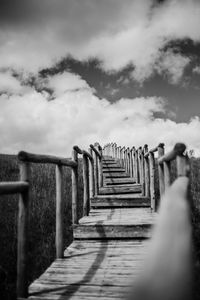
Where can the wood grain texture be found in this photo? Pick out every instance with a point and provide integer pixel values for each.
(90, 270)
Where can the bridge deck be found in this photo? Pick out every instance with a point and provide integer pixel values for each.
(108, 249)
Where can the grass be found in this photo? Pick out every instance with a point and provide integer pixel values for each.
(42, 218)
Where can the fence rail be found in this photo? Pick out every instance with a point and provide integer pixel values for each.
(139, 163)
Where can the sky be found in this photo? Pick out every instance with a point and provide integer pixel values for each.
(81, 71)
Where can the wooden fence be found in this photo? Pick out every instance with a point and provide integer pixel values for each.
(92, 179)
(138, 163)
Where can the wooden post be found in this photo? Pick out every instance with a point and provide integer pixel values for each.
(22, 251)
(167, 179)
(96, 178)
(140, 165)
(161, 170)
(100, 167)
(142, 172)
(59, 212)
(182, 164)
(131, 162)
(86, 198)
(137, 180)
(152, 180)
(146, 173)
(128, 161)
(74, 188)
(123, 157)
(91, 175)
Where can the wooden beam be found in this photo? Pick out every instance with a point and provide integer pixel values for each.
(42, 159)
(13, 187)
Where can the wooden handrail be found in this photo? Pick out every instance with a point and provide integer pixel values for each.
(153, 150)
(95, 150)
(41, 158)
(88, 155)
(13, 187)
(178, 149)
(78, 150)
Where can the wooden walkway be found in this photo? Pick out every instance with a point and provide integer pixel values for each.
(109, 244)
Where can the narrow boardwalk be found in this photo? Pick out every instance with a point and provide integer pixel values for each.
(109, 244)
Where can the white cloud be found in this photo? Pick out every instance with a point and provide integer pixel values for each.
(66, 82)
(9, 84)
(32, 122)
(118, 32)
(173, 64)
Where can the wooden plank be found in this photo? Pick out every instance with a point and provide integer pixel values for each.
(119, 196)
(107, 202)
(112, 231)
(136, 188)
(118, 180)
(115, 175)
(113, 170)
(91, 270)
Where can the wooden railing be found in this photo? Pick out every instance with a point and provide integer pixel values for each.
(140, 164)
(168, 269)
(92, 180)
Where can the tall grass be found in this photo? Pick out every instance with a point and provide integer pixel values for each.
(41, 219)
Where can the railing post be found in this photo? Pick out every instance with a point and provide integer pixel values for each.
(96, 173)
(74, 188)
(128, 161)
(86, 198)
(137, 180)
(125, 156)
(59, 212)
(146, 172)
(91, 175)
(100, 167)
(152, 180)
(167, 179)
(22, 280)
(183, 167)
(161, 170)
(131, 162)
(142, 171)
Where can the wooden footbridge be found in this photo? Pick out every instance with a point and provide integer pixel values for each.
(110, 242)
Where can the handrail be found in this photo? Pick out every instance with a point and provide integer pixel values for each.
(154, 149)
(95, 150)
(178, 149)
(77, 149)
(41, 158)
(140, 164)
(88, 155)
(13, 187)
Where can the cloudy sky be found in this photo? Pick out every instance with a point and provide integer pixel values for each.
(81, 71)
